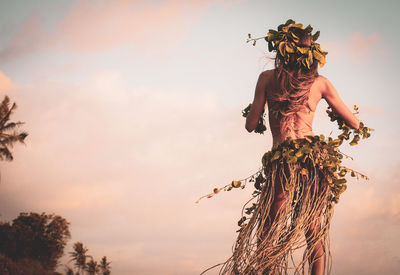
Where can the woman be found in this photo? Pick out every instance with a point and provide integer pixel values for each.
(292, 93)
(302, 176)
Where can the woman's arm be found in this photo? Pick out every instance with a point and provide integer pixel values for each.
(331, 96)
(257, 107)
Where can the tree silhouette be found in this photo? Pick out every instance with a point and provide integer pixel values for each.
(92, 267)
(105, 267)
(34, 241)
(79, 256)
(8, 133)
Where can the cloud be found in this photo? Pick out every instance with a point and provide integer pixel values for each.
(121, 23)
(29, 39)
(125, 167)
(6, 84)
(363, 48)
(364, 224)
(358, 48)
(97, 26)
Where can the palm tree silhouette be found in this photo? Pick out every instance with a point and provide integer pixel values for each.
(8, 133)
(92, 267)
(105, 266)
(79, 257)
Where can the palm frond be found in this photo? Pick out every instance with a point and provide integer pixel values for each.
(5, 154)
(5, 112)
(10, 126)
(8, 133)
(10, 139)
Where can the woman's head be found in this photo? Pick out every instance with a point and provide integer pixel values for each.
(304, 37)
(295, 46)
(290, 62)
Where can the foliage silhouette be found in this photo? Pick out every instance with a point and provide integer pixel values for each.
(34, 240)
(105, 266)
(79, 256)
(8, 133)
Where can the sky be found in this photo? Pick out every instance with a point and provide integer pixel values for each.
(133, 110)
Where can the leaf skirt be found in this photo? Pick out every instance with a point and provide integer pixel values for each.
(293, 197)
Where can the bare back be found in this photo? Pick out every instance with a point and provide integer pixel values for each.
(302, 120)
(267, 89)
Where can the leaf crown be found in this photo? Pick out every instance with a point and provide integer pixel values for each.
(288, 44)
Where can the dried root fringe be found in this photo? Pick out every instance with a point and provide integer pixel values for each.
(264, 246)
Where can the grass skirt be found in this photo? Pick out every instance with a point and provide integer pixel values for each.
(292, 206)
(296, 173)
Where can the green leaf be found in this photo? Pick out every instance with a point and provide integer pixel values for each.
(339, 181)
(236, 183)
(289, 48)
(290, 21)
(295, 38)
(355, 140)
(276, 155)
(310, 56)
(317, 55)
(342, 173)
(299, 26)
(266, 158)
(308, 139)
(308, 29)
(282, 47)
(242, 220)
(270, 46)
(274, 32)
(336, 142)
(246, 110)
(303, 50)
(299, 153)
(307, 63)
(271, 36)
(315, 36)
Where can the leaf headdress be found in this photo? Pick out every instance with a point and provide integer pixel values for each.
(287, 43)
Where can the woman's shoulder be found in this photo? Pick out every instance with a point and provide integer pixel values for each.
(267, 76)
(267, 73)
(320, 83)
(323, 84)
(322, 80)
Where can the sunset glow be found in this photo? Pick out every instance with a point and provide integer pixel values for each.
(133, 110)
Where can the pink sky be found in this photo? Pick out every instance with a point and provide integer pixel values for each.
(133, 110)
